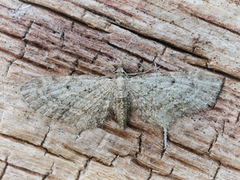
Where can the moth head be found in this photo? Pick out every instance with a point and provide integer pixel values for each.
(120, 72)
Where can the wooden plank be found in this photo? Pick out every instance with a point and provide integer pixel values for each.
(47, 38)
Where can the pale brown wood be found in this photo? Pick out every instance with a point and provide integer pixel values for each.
(56, 37)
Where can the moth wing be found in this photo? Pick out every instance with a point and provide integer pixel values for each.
(82, 101)
(161, 98)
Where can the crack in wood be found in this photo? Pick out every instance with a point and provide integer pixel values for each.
(87, 163)
(76, 152)
(215, 23)
(25, 170)
(47, 8)
(5, 167)
(62, 37)
(96, 57)
(28, 30)
(188, 164)
(171, 171)
(72, 25)
(111, 164)
(84, 168)
(160, 66)
(140, 138)
(238, 118)
(36, 146)
(211, 144)
(9, 66)
(78, 135)
(45, 136)
(194, 44)
(217, 170)
(161, 19)
(49, 172)
(135, 54)
(79, 174)
(150, 174)
(124, 50)
(139, 144)
(187, 148)
(223, 127)
(76, 63)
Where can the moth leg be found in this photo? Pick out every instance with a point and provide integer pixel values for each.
(165, 138)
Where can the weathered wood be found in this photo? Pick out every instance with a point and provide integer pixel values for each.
(57, 37)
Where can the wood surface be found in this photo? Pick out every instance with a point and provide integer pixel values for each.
(74, 37)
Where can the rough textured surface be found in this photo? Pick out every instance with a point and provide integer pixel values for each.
(123, 168)
(94, 37)
(13, 173)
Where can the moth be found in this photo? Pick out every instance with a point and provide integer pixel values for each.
(86, 101)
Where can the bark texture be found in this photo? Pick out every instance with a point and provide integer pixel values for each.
(68, 37)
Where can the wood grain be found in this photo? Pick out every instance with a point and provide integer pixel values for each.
(57, 37)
